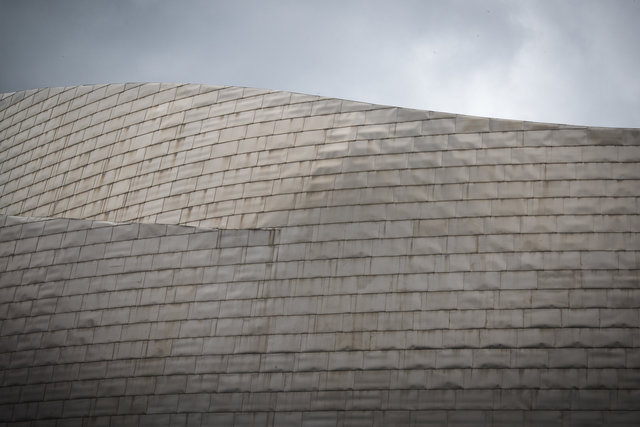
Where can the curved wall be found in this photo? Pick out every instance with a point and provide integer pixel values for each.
(274, 258)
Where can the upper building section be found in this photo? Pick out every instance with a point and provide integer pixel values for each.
(232, 157)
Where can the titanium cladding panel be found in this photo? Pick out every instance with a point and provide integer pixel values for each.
(199, 255)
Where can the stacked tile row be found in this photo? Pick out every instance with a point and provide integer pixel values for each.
(204, 255)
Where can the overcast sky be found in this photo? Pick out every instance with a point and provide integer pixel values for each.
(575, 62)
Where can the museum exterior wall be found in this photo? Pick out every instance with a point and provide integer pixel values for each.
(186, 254)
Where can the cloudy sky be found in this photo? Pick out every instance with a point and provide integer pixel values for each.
(566, 61)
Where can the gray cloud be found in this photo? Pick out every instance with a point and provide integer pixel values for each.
(573, 61)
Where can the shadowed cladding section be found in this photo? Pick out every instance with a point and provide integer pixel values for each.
(186, 254)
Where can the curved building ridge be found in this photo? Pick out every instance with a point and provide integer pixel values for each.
(202, 255)
(235, 157)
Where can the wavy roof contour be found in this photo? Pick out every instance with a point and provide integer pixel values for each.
(244, 158)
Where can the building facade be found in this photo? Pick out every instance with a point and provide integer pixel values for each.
(198, 255)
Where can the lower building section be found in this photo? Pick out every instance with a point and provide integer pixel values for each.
(125, 324)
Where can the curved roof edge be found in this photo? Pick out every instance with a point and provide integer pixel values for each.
(528, 124)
